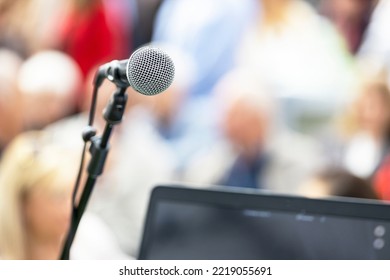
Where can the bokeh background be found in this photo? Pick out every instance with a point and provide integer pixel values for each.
(291, 96)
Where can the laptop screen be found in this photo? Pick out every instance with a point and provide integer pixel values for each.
(186, 223)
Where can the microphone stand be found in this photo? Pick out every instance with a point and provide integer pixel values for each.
(99, 149)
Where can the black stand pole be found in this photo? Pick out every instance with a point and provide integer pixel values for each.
(99, 148)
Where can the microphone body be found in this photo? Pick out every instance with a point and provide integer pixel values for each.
(149, 71)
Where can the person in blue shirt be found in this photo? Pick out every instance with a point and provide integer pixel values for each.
(210, 31)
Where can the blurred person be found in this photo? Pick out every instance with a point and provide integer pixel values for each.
(120, 19)
(254, 149)
(305, 60)
(351, 18)
(368, 128)
(10, 103)
(208, 30)
(49, 83)
(165, 111)
(93, 32)
(35, 187)
(211, 38)
(29, 26)
(338, 182)
(36, 179)
(90, 31)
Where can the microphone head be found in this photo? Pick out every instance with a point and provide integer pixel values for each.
(150, 71)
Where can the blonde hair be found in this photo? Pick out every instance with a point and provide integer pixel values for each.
(31, 161)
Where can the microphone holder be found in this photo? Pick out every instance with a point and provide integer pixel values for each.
(99, 148)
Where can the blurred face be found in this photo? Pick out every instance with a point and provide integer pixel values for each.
(245, 126)
(47, 213)
(374, 111)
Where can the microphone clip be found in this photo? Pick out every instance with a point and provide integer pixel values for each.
(112, 72)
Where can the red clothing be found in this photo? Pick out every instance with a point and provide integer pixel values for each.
(381, 180)
(90, 40)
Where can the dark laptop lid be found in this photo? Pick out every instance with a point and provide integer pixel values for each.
(229, 223)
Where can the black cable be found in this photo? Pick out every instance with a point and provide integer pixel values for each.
(87, 134)
(79, 174)
(85, 139)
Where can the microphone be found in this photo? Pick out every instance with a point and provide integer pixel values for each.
(149, 71)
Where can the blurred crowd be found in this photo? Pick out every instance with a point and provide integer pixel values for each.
(290, 96)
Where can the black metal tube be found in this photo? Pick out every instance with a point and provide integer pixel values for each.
(99, 150)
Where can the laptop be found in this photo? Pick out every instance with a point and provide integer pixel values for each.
(185, 223)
